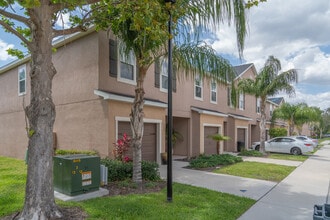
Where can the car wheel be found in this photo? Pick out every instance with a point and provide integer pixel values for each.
(295, 151)
(257, 148)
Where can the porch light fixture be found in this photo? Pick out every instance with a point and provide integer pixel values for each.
(169, 108)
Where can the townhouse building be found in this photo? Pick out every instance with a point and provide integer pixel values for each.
(93, 91)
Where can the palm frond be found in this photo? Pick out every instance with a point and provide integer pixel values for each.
(201, 59)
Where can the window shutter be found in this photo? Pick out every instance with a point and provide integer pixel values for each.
(113, 58)
(157, 73)
(174, 80)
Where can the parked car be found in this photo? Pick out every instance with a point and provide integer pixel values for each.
(307, 139)
(288, 145)
(325, 135)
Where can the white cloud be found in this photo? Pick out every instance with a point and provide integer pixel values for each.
(3, 50)
(294, 32)
(63, 21)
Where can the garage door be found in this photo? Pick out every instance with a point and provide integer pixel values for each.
(210, 146)
(149, 141)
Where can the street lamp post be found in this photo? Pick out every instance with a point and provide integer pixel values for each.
(169, 108)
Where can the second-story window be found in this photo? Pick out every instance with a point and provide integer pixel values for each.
(198, 88)
(229, 101)
(161, 75)
(22, 80)
(164, 73)
(241, 101)
(213, 92)
(127, 67)
(122, 65)
(271, 110)
(258, 105)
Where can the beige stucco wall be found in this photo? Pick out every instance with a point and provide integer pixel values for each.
(120, 111)
(83, 126)
(13, 141)
(209, 120)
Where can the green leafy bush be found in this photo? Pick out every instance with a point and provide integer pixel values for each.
(119, 171)
(277, 132)
(251, 153)
(67, 152)
(204, 161)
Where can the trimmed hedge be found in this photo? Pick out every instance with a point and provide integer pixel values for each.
(204, 161)
(119, 171)
(68, 152)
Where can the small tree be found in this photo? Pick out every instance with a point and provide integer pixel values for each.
(218, 138)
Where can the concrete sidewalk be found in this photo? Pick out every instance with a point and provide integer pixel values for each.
(293, 198)
(296, 195)
(251, 188)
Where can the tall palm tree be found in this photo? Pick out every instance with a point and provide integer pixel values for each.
(268, 82)
(142, 27)
(296, 115)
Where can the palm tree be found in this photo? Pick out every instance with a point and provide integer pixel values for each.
(217, 138)
(268, 82)
(142, 27)
(296, 115)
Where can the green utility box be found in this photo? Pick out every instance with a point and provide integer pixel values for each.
(76, 174)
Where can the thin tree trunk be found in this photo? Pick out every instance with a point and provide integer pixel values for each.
(137, 126)
(39, 198)
(263, 125)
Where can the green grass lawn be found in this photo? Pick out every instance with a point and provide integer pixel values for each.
(288, 157)
(188, 202)
(12, 185)
(256, 170)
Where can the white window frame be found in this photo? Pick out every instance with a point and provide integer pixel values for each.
(241, 101)
(163, 73)
(129, 59)
(200, 82)
(213, 90)
(20, 69)
(258, 105)
(270, 110)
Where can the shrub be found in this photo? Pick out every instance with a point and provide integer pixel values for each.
(150, 171)
(214, 160)
(67, 152)
(277, 132)
(251, 153)
(121, 147)
(119, 171)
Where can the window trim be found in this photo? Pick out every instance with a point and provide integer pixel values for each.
(241, 101)
(23, 67)
(215, 90)
(197, 77)
(161, 88)
(121, 79)
(258, 106)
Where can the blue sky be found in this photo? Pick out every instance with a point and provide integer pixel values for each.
(296, 33)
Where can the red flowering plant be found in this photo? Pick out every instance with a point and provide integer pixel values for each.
(121, 147)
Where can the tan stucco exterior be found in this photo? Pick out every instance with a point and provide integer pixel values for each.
(88, 115)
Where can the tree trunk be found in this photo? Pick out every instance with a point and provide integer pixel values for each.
(39, 198)
(137, 126)
(263, 125)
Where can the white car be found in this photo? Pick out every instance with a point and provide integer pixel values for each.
(288, 145)
(307, 139)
